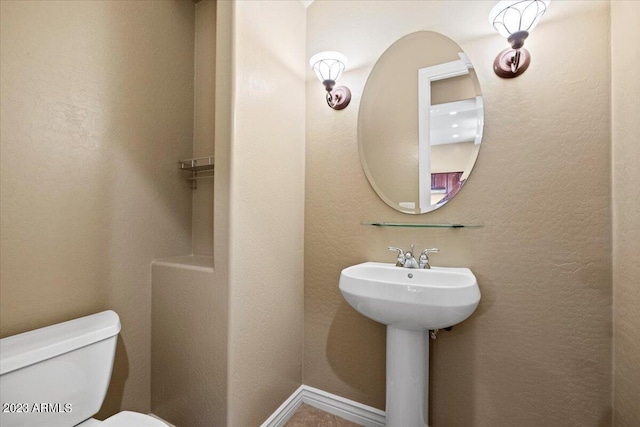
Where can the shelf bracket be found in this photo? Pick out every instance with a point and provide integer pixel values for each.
(200, 168)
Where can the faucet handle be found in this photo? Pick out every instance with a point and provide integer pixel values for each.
(401, 259)
(424, 257)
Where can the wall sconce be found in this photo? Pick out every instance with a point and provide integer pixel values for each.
(328, 67)
(514, 20)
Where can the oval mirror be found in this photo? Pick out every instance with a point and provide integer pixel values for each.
(420, 122)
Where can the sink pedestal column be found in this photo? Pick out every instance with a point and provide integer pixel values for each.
(407, 378)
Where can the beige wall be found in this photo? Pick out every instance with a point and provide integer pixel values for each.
(537, 351)
(189, 298)
(221, 206)
(625, 87)
(266, 208)
(97, 107)
(186, 319)
(204, 122)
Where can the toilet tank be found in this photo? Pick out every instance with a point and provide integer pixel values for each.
(57, 376)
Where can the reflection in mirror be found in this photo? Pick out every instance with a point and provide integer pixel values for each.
(419, 141)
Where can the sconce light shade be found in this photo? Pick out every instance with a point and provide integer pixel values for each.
(510, 16)
(328, 67)
(514, 20)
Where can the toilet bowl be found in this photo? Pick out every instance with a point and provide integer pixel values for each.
(58, 376)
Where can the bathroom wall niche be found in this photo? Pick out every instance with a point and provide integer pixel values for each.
(420, 122)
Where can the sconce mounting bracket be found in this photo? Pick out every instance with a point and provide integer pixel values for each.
(511, 63)
(339, 97)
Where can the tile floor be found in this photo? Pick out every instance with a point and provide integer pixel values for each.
(308, 416)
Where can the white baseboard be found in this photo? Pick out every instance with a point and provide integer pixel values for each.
(336, 405)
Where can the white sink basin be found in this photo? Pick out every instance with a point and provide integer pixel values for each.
(408, 298)
(409, 301)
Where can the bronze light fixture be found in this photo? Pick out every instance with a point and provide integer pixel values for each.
(328, 67)
(514, 20)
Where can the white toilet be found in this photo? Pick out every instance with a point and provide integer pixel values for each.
(58, 376)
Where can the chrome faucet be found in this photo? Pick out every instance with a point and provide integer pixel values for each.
(408, 260)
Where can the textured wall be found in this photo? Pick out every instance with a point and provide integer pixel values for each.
(625, 56)
(537, 351)
(204, 123)
(184, 319)
(221, 205)
(97, 107)
(266, 208)
(189, 303)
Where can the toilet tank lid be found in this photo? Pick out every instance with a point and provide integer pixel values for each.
(31, 347)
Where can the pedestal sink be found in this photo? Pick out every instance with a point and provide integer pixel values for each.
(410, 302)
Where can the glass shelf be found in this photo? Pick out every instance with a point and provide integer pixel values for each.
(418, 225)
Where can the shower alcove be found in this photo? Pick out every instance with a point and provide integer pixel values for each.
(183, 306)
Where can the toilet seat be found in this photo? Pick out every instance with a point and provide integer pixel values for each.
(131, 419)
